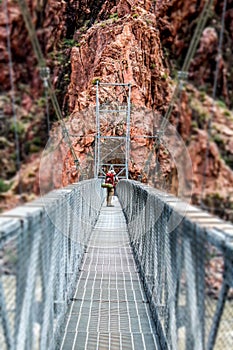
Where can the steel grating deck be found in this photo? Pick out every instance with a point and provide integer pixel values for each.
(109, 309)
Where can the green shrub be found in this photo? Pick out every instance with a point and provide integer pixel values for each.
(148, 22)
(217, 139)
(37, 141)
(194, 124)
(202, 96)
(68, 42)
(203, 88)
(227, 113)
(203, 117)
(221, 103)
(13, 156)
(164, 76)
(114, 15)
(41, 101)
(67, 77)
(18, 127)
(34, 148)
(94, 81)
(4, 187)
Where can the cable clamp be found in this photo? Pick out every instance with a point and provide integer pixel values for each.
(182, 75)
(159, 134)
(76, 162)
(45, 75)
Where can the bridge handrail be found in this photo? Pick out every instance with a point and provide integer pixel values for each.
(41, 247)
(184, 256)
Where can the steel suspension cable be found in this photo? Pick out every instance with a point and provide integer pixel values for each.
(47, 110)
(11, 70)
(197, 34)
(216, 75)
(44, 74)
(42, 64)
(189, 56)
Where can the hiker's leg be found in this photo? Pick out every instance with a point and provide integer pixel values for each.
(108, 197)
(111, 193)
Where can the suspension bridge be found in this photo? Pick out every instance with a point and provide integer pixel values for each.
(150, 272)
(76, 274)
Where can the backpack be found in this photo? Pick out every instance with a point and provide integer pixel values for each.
(109, 179)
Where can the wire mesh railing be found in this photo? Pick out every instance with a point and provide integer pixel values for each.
(185, 259)
(41, 248)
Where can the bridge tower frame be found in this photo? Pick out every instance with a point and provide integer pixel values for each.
(116, 143)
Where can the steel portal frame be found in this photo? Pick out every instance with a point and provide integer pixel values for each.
(107, 146)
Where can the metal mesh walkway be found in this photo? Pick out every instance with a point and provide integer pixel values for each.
(109, 309)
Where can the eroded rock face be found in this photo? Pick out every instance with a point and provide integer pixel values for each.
(141, 42)
(49, 20)
(126, 49)
(177, 20)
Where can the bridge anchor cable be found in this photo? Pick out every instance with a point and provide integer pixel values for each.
(42, 64)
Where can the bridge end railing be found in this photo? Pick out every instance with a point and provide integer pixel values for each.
(185, 257)
(41, 248)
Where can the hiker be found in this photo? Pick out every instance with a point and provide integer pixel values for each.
(112, 179)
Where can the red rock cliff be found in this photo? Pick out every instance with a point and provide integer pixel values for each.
(144, 43)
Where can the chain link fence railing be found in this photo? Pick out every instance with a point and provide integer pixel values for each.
(185, 257)
(41, 248)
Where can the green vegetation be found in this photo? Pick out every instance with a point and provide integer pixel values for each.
(18, 127)
(202, 96)
(30, 148)
(114, 15)
(228, 159)
(227, 113)
(37, 141)
(164, 76)
(148, 22)
(68, 42)
(67, 77)
(203, 118)
(23, 88)
(200, 113)
(214, 200)
(152, 66)
(41, 102)
(13, 156)
(31, 175)
(135, 15)
(221, 104)
(33, 146)
(194, 124)
(58, 57)
(217, 139)
(4, 187)
(94, 81)
(203, 88)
